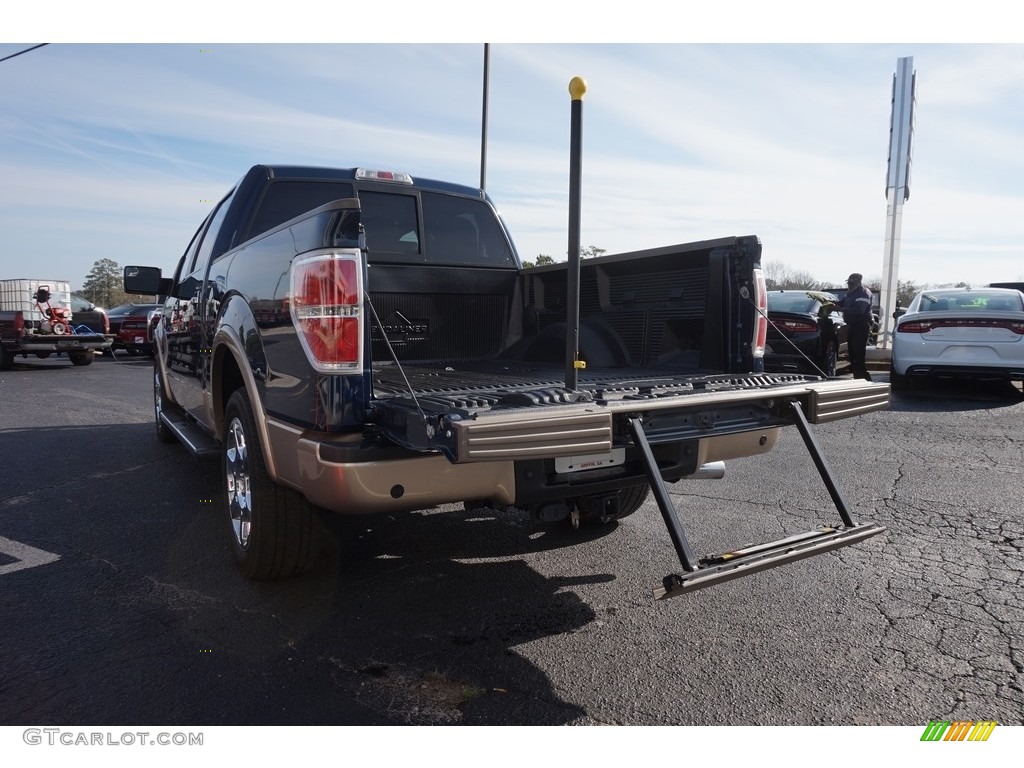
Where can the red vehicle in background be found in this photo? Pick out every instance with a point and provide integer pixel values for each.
(131, 326)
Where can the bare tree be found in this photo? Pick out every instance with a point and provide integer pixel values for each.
(777, 276)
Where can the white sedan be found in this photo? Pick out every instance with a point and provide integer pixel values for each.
(963, 332)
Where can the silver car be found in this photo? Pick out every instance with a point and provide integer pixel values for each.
(975, 333)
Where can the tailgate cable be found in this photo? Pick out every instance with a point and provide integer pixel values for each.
(412, 393)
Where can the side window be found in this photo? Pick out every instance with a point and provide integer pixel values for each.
(285, 200)
(189, 257)
(202, 257)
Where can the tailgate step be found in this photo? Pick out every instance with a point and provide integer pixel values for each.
(715, 569)
(751, 558)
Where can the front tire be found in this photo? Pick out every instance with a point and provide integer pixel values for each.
(163, 434)
(273, 529)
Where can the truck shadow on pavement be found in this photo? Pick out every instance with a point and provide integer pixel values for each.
(422, 618)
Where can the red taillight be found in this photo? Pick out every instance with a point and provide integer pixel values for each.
(106, 324)
(761, 337)
(326, 308)
(914, 327)
(795, 326)
(19, 323)
(924, 326)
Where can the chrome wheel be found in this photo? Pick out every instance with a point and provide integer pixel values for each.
(163, 433)
(237, 478)
(274, 531)
(158, 400)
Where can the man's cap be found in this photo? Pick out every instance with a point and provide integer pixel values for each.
(856, 277)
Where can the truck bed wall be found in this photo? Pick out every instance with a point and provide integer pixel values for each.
(440, 314)
(660, 309)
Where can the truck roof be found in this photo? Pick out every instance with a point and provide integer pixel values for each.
(349, 174)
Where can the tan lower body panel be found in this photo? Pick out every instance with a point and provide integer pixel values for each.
(402, 485)
(384, 486)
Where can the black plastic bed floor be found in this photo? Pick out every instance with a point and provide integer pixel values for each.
(486, 384)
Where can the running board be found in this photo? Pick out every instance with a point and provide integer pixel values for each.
(199, 443)
(752, 558)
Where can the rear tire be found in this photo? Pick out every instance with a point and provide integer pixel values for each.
(274, 530)
(81, 358)
(6, 359)
(830, 360)
(897, 383)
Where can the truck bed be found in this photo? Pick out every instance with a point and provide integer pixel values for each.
(484, 384)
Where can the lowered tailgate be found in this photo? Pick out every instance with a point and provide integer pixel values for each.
(500, 420)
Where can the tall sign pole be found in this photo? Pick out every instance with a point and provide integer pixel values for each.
(577, 87)
(897, 189)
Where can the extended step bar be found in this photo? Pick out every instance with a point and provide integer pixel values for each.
(725, 566)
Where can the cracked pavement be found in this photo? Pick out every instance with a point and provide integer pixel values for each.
(486, 617)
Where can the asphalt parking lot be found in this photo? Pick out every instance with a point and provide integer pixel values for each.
(121, 604)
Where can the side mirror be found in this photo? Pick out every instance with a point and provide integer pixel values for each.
(145, 281)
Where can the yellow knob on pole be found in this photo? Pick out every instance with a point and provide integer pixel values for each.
(577, 87)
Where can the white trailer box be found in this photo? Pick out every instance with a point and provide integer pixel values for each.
(19, 295)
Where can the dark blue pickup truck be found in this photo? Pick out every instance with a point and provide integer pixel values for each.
(362, 341)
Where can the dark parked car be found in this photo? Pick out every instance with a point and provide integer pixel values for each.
(85, 313)
(130, 325)
(805, 332)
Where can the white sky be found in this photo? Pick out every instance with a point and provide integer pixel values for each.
(116, 150)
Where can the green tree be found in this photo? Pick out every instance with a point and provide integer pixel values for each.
(542, 258)
(591, 251)
(103, 285)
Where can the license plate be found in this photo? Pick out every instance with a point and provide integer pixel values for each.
(140, 339)
(69, 344)
(565, 464)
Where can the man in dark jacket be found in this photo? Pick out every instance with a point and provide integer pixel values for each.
(856, 308)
